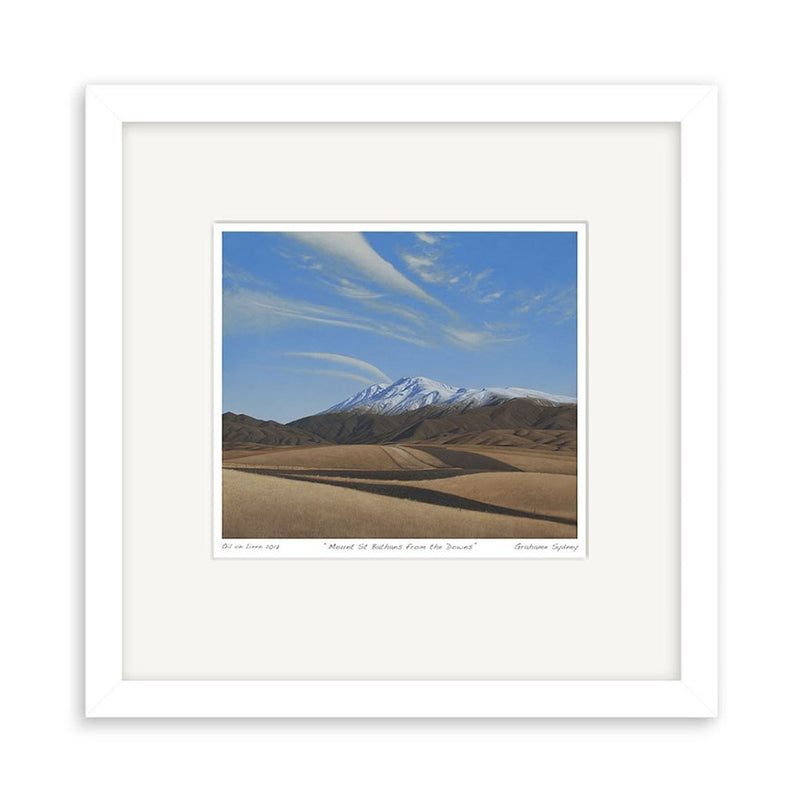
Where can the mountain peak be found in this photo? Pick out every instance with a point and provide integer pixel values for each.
(413, 392)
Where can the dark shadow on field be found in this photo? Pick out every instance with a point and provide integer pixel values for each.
(466, 460)
(416, 494)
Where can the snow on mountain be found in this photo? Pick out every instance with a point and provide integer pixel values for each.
(409, 394)
(363, 398)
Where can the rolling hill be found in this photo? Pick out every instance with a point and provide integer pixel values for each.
(519, 416)
(242, 429)
(417, 409)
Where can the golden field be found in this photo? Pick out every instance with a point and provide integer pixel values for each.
(409, 490)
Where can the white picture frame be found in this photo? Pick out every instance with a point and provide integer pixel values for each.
(694, 694)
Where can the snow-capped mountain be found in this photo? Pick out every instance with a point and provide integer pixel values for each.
(409, 394)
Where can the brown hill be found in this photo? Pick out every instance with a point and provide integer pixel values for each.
(442, 424)
(555, 440)
(240, 429)
(522, 421)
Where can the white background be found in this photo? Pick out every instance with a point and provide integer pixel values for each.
(50, 51)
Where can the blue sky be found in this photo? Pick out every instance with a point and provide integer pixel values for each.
(312, 318)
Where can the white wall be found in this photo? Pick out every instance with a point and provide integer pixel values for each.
(50, 51)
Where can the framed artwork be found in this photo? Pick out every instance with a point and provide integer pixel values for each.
(407, 465)
(401, 401)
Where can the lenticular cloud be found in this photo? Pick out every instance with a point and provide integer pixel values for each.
(355, 251)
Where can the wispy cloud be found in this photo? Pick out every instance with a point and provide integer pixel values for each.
(426, 268)
(247, 311)
(355, 271)
(354, 291)
(563, 304)
(353, 251)
(431, 265)
(433, 262)
(490, 298)
(415, 261)
(473, 282)
(559, 303)
(475, 338)
(235, 276)
(417, 319)
(348, 361)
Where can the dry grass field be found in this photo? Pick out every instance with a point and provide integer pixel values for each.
(408, 490)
